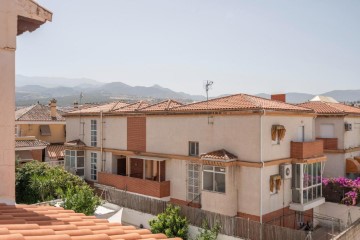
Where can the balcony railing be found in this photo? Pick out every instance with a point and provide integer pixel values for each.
(329, 143)
(135, 185)
(302, 150)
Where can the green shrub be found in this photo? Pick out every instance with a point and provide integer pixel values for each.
(170, 223)
(207, 233)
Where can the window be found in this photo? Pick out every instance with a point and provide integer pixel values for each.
(275, 184)
(93, 167)
(277, 134)
(193, 184)
(306, 182)
(75, 162)
(193, 148)
(93, 131)
(214, 179)
(45, 130)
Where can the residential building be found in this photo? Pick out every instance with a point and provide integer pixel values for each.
(338, 125)
(45, 124)
(232, 155)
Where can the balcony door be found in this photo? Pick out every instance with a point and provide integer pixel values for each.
(301, 134)
(121, 166)
(75, 162)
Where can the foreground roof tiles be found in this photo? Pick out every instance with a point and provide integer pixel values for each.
(240, 102)
(28, 222)
(219, 155)
(330, 108)
(37, 112)
(133, 107)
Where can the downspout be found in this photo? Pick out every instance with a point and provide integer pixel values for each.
(101, 142)
(261, 171)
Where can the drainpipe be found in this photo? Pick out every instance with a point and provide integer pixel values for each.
(261, 171)
(101, 142)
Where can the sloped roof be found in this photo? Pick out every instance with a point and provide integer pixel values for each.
(222, 155)
(29, 142)
(29, 222)
(37, 112)
(55, 151)
(108, 107)
(162, 106)
(240, 102)
(132, 107)
(330, 108)
(75, 143)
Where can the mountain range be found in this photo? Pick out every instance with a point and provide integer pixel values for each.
(30, 90)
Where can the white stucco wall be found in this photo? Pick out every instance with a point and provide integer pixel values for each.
(236, 134)
(339, 129)
(115, 132)
(248, 181)
(352, 138)
(176, 174)
(335, 166)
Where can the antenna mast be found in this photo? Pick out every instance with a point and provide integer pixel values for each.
(208, 84)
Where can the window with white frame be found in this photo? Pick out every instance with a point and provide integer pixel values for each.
(93, 166)
(214, 179)
(307, 182)
(193, 183)
(193, 148)
(75, 162)
(93, 131)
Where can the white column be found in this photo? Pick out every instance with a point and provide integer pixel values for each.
(8, 32)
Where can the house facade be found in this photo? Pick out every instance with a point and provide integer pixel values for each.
(338, 125)
(238, 155)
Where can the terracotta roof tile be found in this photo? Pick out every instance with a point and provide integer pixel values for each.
(162, 106)
(53, 223)
(219, 155)
(75, 143)
(330, 108)
(29, 142)
(240, 102)
(37, 112)
(108, 107)
(132, 107)
(55, 151)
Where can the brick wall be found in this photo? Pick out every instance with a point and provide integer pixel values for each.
(306, 149)
(135, 185)
(329, 143)
(136, 134)
(37, 155)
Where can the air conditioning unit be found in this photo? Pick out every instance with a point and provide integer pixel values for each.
(348, 127)
(286, 171)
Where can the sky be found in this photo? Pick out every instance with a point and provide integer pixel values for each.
(243, 46)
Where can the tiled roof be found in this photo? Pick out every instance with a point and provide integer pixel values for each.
(37, 112)
(75, 143)
(330, 108)
(219, 155)
(29, 142)
(55, 151)
(29, 222)
(132, 107)
(162, 106)
(240, 102)
(108, 107)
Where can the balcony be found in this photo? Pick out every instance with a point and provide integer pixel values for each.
(303, 150)
(329, 143)
(136, 185)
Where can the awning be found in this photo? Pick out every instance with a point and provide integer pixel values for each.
(159, 159)
(352, 166)
(45, 130)
(220, 155)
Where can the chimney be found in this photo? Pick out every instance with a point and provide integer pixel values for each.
(52, 105)
(278, 97)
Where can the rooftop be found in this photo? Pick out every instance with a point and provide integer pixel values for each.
(37, 112)
(29, 142)
(321, 107)
(29, 222)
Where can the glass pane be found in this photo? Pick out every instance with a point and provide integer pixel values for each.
(318, 172)
(80, 172)
(80, 162)
(219, 169)
(80, 153)
(196, 174)
(72, 162)
(208, 181)
(319, 194)
(306, 176)
(190, 189)
(196, 167)
(196, 190)
(191, 181)
(208, 168)
(296, 196)
(72, 153)
(219, 182)
(305, 196)
(67, 152)
(191, 174)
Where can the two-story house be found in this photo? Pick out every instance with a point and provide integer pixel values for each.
(238, 155)
(42, 128)
(338, 125)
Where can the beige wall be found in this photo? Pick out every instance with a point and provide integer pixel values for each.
(335, 166)
(352, 138)
(291, 123)
(236, 134)
(177, 175)
(8, 29)
(339, 129)
(57, 132)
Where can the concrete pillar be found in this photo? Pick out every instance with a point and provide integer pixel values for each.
(8, 32)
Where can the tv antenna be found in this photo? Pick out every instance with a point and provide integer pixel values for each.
(208, 85)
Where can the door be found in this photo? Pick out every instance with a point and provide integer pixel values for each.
(301, 134)
(121, 166)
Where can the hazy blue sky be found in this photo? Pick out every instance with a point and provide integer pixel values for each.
(243, 46)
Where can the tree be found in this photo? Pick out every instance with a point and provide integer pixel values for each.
(207, 233)
(170, 223)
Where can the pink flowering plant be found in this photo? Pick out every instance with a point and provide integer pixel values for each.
(343, 184)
